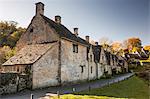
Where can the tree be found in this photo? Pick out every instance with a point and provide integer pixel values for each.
(105, 42)
(133, 44)
(9, 33)
(147, 47)
(116, 46)
(5, 53)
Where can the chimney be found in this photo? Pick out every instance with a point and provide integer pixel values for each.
(39, 8)
(96, 43)
(58, 19)
(76, 31)
(87, 38)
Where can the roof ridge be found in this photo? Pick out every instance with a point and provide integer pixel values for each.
(63, 31)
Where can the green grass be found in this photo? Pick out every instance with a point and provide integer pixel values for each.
(134, 87)
(70, 96)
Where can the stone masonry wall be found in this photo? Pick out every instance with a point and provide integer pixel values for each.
(92, 66)
(12, 82)
(45, 70)
(72, 63)
(37, 32)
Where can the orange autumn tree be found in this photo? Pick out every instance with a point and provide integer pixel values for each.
(133, 44)
(147, 47)
(116, 46)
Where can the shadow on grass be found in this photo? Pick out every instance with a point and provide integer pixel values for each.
(133, 87)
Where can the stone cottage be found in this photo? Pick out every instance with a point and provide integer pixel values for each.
(52, 55)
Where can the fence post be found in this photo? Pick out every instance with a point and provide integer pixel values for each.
(31, 96)
(89, 88)
(73, 89)
(58, 94)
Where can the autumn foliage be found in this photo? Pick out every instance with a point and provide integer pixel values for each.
(147, 47)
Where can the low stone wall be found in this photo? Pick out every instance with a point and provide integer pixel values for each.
(8, 83)
(12, 82)
(22, 83)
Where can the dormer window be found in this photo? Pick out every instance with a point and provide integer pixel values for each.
(75, 48)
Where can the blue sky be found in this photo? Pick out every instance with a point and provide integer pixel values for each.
(114, 19)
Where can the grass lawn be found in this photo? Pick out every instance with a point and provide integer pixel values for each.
(134, 87)
(70, 96)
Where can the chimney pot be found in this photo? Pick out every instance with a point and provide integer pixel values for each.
(58, 19)
(39, 8)
(87, 38)
(96, 43)
(76, 31)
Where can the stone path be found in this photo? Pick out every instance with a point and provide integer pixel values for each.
(26, 94)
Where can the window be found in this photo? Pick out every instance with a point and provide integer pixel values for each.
(82, 69)
(75, 48)
(91, 58)
(91, 69)
(17, 68)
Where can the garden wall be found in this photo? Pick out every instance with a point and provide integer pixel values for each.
(12, 82)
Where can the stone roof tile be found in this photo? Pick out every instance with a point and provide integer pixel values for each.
(29, 54)
(63, 31)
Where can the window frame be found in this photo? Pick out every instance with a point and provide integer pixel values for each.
(82, 69)
(75, 48)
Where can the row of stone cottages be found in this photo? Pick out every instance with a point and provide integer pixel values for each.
(52, 55)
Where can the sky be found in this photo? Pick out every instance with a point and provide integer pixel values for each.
(116, 20)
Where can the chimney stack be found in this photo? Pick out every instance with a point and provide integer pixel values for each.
(76, 31)
(87, 38)
(58, 19)
(96, 43)
(39, 8)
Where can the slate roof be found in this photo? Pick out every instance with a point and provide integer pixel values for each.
(29, 54)
(63, 31)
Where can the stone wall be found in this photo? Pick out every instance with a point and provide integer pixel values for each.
(45, 70)
(12, 82)
(100, 70)
(103, 59)
(38, 31)
(71, 70)
(8, 83)
(74, 66)
(93, 67)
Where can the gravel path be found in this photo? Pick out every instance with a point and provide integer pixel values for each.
(67, 89)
